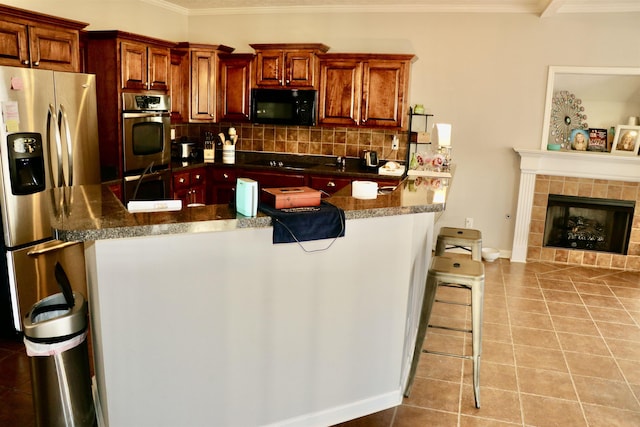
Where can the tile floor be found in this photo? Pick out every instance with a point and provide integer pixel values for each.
(561, 347)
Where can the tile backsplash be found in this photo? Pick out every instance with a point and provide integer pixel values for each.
(327, 141)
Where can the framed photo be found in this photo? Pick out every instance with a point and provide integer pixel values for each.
(579, 139)
(626, 141)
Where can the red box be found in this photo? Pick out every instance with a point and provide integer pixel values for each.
(292, 197)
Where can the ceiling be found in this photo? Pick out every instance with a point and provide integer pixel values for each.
(542, 8)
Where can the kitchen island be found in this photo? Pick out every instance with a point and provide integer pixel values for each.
(198, 319)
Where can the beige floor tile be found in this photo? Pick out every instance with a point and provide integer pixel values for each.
(558, 285)
(592, 289)
(546, 383)
(568, 310)
(630, 304)
(497, 352)
(631, 371)
(601, 416)
(439, 367)
(495, 404)
(496, 332)
(434, 394)
(611, 314)
(620, 331)
(444, 343)
(542, 358)
(493, 375)
(589, 365)
(545, 411)
(535, 337)
(574, 325)
(408, 416)
(526, 305)
(601, 301)
(552, 295)
(531, 320)
(587, 344)
(470, 421)
(624, 349)
(603, 392)
(496, 315)
(524, 292)
(633, 293)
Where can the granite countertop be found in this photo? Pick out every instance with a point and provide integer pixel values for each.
(92, 212)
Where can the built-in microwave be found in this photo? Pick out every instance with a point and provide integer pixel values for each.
(294, 107)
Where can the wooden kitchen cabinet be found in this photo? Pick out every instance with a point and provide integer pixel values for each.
(190, 186)
(144, 67)
(222, 184)
(34, 40)
(328, 184)
(117, 72)
(293, 65)
(234, 88)
(203, 72)
(364, 90)
(179, 87)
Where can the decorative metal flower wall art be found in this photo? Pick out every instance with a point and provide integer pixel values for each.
(567, 113)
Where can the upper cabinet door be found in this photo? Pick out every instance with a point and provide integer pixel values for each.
(383, 93)
(270, 68)
(35, 40)
(159, 68)
(292, 65)
(14, 44)
(340, 92)
(203, 78)
(299, 68)
(54, 49)
(234, 88)
(133, 65)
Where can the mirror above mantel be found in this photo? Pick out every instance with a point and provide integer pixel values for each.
(607, 96)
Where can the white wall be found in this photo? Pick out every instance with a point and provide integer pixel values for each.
(483, 73)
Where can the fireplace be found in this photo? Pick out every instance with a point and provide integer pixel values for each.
(588, 223)
(580, 174)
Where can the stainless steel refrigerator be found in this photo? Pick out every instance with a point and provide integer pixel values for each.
(48, 138)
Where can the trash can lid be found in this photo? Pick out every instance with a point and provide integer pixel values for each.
(51, 317)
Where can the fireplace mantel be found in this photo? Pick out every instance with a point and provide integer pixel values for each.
(587, 164)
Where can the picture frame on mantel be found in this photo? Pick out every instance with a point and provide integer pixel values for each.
(626, 141)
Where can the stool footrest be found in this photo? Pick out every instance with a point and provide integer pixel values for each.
(443, 301)
(440, 353)
(466, 248)
(449, 328)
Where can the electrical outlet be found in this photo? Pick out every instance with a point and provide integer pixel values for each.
(468, 222)
(394, 143)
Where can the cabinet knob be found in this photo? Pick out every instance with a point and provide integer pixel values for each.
(198, 176)
(211, 114)
(25, 62)
(331, 184)
(181, 180)
(225, 176)
(35, 64)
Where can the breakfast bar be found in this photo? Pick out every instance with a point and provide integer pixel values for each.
(197, 318)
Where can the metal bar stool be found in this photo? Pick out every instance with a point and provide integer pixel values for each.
(463, 238)
(461, 273)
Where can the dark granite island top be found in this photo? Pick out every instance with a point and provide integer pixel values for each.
(86, 213)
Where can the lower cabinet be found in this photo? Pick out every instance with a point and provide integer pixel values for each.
(222, 184)
(190, 186)
(269, 179)
(328, 184)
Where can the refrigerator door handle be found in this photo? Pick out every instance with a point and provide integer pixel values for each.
(64, 122)
(56, 160)
(54, 245)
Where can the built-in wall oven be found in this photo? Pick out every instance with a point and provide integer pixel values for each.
(146, 146)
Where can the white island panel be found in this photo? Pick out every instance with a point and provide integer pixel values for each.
(227, 329)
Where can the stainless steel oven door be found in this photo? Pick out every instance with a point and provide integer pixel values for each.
(146, 138)
(149, 186)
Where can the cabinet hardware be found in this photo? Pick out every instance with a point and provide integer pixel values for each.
(225, 176)
(25, 62)
(35, 64)
(181, 180)
(331, 184)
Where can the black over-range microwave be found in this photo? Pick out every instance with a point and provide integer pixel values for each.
(295, 107)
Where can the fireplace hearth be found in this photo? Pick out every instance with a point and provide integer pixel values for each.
(588, 223)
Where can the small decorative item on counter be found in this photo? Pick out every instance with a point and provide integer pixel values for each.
(413, 164)
(418, 109)
(209, 152)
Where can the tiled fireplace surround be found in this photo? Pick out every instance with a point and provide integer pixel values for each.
(566, 173)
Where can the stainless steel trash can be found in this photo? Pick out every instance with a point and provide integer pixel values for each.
(55, 331)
